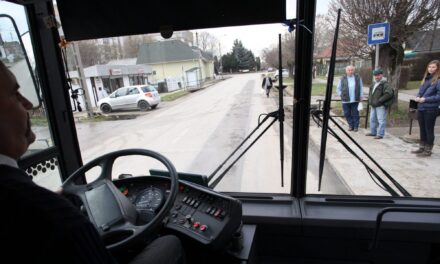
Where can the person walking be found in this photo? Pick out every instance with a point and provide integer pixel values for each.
(428, 99)
(267, 84)
(350, 89)
(381, 96)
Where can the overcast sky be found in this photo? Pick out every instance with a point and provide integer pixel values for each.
(256, 38)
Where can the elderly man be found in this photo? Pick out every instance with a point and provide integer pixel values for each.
(38, 225)
(381, 96)
(350, 89)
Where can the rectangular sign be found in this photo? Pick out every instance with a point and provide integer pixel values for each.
(378, 33)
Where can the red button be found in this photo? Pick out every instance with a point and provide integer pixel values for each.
(196, 225)
(203, 228)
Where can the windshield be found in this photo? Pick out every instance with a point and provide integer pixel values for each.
(215, 86)
(209, 99)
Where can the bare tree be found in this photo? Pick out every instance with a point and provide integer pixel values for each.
(208, 42)
(288, 51)
(89, 52)
(322, 35)
(405, 18)
(270, 56)
(132, 44)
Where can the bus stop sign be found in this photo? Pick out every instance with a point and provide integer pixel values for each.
(378, 33)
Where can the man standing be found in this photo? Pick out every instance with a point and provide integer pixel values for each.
(381, 96)
(267, 84)
(350, 90)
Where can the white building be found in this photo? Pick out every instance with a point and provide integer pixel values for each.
(104, 79)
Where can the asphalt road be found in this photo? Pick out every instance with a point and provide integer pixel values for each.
(198, 132)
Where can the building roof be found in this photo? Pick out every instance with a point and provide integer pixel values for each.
(112, 70)
(421, 41)
(327, 53)
(129, 61)
(168, 51)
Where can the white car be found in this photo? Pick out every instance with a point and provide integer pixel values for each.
(285, 73)
(142, 97)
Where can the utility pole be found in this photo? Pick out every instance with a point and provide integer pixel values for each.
(82, 78)
(220, 60)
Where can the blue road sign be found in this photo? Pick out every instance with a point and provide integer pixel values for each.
(378, 33)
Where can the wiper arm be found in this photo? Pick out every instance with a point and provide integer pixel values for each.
(219, 178)
(386, 187)
(277, 115)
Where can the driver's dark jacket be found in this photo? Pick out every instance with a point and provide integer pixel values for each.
(40, 226)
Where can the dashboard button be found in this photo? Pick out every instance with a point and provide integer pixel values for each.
(222, 215)
(217, 213)
(203, 228)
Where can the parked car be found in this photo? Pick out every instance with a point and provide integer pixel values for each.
(142, 97)
(285, 74)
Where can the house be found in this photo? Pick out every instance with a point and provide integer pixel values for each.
(423, 42)
(421, 48)
(343, 58)
(177, 63)
(104, 79)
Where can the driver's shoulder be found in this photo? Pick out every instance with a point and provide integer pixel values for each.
(22, 197)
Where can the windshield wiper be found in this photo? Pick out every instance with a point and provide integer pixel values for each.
(220, 177)
(326, 129)
(276, 115)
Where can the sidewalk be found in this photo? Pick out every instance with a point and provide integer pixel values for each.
(419, 176)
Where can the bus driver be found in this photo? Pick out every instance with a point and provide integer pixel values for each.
(38, 225)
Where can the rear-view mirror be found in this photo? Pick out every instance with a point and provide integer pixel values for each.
(17, 54)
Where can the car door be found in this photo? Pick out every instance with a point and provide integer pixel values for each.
(132, 97)
(118, 101)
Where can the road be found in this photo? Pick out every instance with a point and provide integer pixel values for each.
(198, 132)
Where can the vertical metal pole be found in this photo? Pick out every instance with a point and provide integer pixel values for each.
(376, 63)
(82, 78)
(305, 14)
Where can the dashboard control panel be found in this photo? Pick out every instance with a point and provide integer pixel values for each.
(198, 212)
(205, 215)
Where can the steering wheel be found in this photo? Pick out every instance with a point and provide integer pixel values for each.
(108, 209)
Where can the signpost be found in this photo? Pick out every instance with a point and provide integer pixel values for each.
(378, 34)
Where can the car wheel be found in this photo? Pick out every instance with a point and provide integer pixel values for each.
(143, 105)
(154, 106)
(106, 108)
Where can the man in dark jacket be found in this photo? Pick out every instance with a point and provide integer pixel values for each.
(267, 84)
(381, 96)
(38, 225)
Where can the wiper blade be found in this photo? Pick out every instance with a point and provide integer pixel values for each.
(281, 108)
(328, 97)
